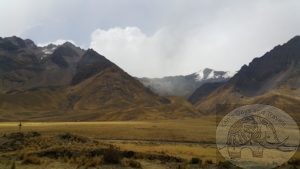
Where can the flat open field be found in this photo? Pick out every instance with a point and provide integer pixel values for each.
(186, 139)
(194, 130)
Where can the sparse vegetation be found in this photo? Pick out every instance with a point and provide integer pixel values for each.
(182, 166)
(73, 138)
(196, 160)
(294, 162)
(13, 165)
(227, 165)
(130, 163)
(89, 161)
(31, 159)
(87, 146)
(208, 162)
(112, 155)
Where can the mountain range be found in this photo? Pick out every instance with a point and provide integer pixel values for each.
(185, 85)
(67, 83)
(273, 79)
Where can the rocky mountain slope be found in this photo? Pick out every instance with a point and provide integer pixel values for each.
(67, 83)
(204, 90)
(185, 85)
(272, 79)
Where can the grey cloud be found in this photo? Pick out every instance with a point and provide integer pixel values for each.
(178, 36)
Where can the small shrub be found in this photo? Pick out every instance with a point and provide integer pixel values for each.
(93, 162)
(32, 134)
(195, 160)
(208, 162)
(128, 154)
(130, 163)
(182, 166)
(65, 159)
(30, 159)
(22, 155)
(224, 164)
(112, 156)
(13, 165)
(73, 138)
(294, 162)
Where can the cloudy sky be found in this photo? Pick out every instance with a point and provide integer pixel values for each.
(156, 38)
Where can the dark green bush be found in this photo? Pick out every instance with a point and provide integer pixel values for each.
(195, 160)
(112, 156)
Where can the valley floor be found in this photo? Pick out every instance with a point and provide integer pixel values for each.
(140, 144)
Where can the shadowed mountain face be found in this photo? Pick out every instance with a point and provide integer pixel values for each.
(25, 66)
(271, 79)
(185, 85)
(277, 67)
(90, 64)
(204, 90)
(66, 83)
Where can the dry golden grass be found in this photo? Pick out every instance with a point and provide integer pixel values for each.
(189, 130)
(187, 139)
(183, 150)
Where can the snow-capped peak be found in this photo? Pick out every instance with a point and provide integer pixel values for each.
(208, 73)
(48, 50)
(229, 74)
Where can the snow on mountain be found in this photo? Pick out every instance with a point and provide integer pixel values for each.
(47, 50)
(229, 74)
(207, 73)
(185, 85)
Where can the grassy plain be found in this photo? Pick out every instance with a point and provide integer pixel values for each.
(189, 130)
(186, 139)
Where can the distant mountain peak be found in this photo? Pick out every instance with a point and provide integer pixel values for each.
(185, 85)
(30, 43)
(208, 73)
(47, 50)
(15, 43)
(295, 38)
(91, 51)
(76, 84)
(69, 44)
(271, 79)
(90, 63)
(13, 38)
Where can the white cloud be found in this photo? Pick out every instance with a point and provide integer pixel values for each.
(56, 42)
(170, 37)
(226, 37)
(136, 52)
(17, 17)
